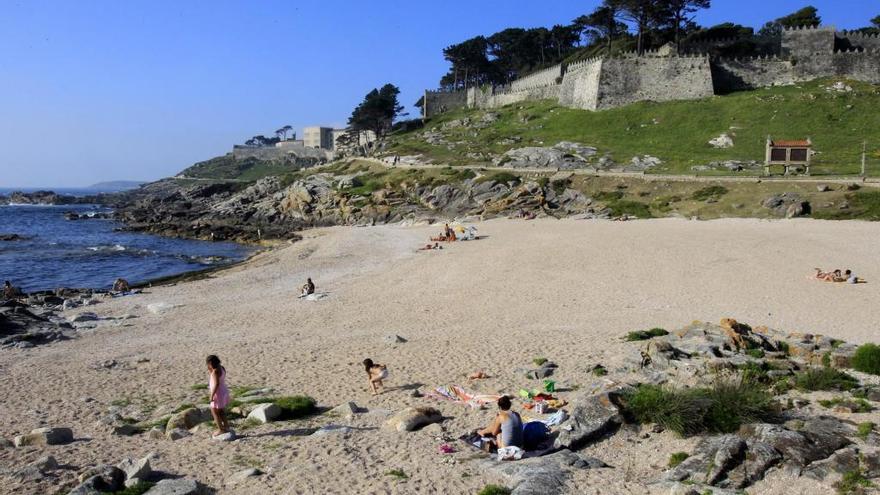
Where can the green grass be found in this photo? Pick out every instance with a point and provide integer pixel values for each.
(856, 405)
(227, 167)
(199, 386)
(599, 370)
(630, 208)
(502, 177)
(539, 361)
(864, 205)
(852, 483)
(838, 123)
(296, 406)
(399, 474)
(755, 353)
(867, 359)
(865, 429)
(677, 458)
(494, 490)
(120, 402)
(709, 192)
(138, 489)
(645, 334)
(824, 379)
(721, 408)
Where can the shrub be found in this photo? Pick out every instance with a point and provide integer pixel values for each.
(677, 458)
(645, 334)
(721, 408)
(494, 490)
(867, 359)
(630, 208)
(852, 483)
(783, 347)
(296, 406)
(539, 361)
(709, 192)
(755, 353)
(397, 473)
(824, 379)
(826, 360)
(608, 196)
(599, 370)
(502, 177)
(856, 405)
(138, 489)
(865, 429)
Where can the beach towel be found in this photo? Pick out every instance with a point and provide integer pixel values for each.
(510, 454)
(459, 395)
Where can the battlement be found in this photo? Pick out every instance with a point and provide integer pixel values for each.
(859, 35)
(545, 77)
(808, 28)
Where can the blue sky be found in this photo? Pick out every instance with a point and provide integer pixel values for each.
(107, 90)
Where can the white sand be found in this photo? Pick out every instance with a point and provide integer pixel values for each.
(566, 290)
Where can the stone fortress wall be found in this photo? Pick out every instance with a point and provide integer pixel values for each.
(804, 54)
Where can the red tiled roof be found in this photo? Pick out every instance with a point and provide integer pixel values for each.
(791, 144)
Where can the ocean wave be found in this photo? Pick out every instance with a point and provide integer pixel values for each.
(115, 247)
(203, 260)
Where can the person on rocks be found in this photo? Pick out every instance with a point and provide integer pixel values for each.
(375, 374)
(308, 288)
(506, 429)
(121, 285)
(9, 291)
(219, 393)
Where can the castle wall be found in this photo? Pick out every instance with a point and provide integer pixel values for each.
(543, 78)
(861, 66)
(625, 81)
(739, 74)
(437, 102)
(489, 98)
(806, 42)
(580, 86)
(860, 40)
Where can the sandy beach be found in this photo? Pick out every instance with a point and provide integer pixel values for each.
(566, 290)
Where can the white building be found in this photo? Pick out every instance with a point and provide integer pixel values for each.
(318, 137)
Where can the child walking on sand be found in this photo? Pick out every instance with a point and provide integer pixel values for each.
(219, 393)
(375, 374)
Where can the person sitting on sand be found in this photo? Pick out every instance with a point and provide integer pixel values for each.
(308, 288)
(375, 374)
(851, 277)
(121, 285)
(506, 429)
(219, 393)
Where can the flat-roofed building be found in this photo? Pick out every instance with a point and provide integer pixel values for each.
(318, 137)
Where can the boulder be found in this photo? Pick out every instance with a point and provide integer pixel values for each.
(413, 418)
(346, 410)
(265, 413)
(712, 459)
(242, 476)
(722, 142)
(176, 433)
(45, 436)
(395, 339)
(840, 462)
(224, 437)
(175, 487)
(98, 479)
(135, 468)
(541, 475)
(188, 418)
(592, 417)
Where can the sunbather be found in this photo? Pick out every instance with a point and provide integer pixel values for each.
(506, 429)
(827, 276)
(121, 285)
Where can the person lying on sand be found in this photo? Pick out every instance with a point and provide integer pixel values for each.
(429, 247)
(308, 288)
(506, 429)
(219, 393)
(375, 374)
(827, 276)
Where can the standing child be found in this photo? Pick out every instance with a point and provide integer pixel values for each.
(219, 393)
(375, 374)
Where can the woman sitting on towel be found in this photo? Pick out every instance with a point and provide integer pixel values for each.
(506, 429)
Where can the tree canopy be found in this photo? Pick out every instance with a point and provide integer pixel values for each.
(377, 111)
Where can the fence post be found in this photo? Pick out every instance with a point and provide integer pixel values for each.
(864, 152)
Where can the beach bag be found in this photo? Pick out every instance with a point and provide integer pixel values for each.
(535, 433)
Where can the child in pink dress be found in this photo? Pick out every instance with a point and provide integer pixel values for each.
(219, 393)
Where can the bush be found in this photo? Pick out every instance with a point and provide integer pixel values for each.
(677, 458)
(824, 379)
(645, 334)
(867, 359)
(755, 353)
(865, 429)
(630, 208)
(502, 177)
(709, 192)
(494, 490)
(688, 411)
(296, 406)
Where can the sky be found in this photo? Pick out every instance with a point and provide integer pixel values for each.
(98, 90)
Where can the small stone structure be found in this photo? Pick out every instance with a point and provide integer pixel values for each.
(800, 54)
(790, 155)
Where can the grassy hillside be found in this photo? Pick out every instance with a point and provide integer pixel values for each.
(678, 132)
(227, 167)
